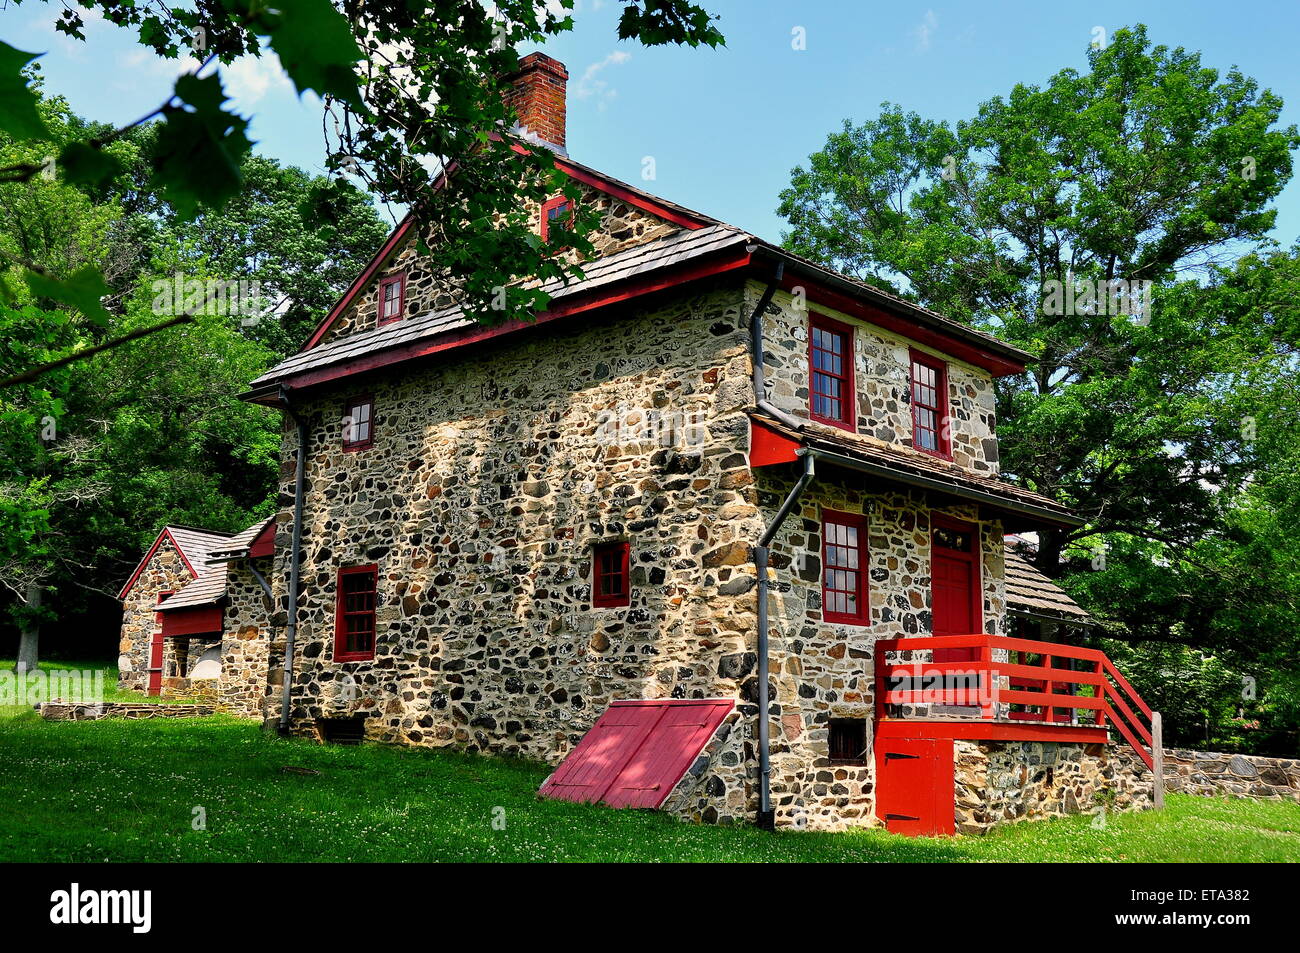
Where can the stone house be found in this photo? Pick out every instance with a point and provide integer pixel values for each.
(681, 536)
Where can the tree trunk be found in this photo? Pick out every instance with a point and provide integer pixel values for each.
(29, 635)
(1048, 557)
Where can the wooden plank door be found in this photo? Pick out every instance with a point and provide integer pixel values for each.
(955, 599)
(914, 785)
(156, 650)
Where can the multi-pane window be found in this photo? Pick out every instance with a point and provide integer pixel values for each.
(392, 298)
(844, 568)
(610, 585)
(848, 740)
(354, 635)
(358, 423)
(557, 211)
(830, 373)
(930, 405)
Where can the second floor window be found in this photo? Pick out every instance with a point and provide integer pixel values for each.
(392, 298)
(844, 568)
(831, 399)
(930, 405)
(556, 211)
(610, 580)
(358, 423)
(354, 634)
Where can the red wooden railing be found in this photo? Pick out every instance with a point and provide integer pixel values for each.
(1064, 685)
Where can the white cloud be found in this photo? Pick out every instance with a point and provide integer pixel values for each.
(591, 85)
(924, 31)
(250, 78)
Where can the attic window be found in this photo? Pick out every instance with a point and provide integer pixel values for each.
(831, 396)
(930, 424)
(354, 634)
(392, 298)
(609, 575)
(558, 210)
(358, 424)
(848, 740)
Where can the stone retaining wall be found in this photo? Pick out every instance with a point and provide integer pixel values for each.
(69, 711)
(1213, 773)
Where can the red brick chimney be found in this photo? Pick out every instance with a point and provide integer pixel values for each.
(536, 94)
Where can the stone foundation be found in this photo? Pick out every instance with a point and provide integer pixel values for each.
(1215, 773)
(1003, 781)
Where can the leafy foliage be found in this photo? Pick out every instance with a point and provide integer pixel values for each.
(413, 92)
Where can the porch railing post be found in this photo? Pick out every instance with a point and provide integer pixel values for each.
(1158, 759)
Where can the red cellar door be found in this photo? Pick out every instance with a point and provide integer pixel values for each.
(914, 785)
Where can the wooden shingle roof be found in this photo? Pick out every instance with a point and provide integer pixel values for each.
(1031, 593)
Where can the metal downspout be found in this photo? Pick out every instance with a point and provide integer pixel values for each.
(291, 630)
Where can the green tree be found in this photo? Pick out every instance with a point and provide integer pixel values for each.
(414, 91)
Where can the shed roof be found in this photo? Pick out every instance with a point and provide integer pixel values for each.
(1029, 592)
(209, 587)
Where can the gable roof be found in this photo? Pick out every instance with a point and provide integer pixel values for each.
(1031, 593)
(209, 587)
(830, 288)
(193, 544)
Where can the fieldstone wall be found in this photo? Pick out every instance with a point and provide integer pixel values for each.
(190, 689)
(480, 508)
(999, 782)
(882, 369)
(823, 670)
(165, 572)
(622, 226)
(1215, 773)
(68, 711)
(246, 644)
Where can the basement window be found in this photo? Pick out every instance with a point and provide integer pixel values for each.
(844, 568)
(358, 423)
(848, 740)
(831, 398)
(556, 211)
(392, 298)
(930, 423)
(610, 584)
(342, 731)
(354, 633)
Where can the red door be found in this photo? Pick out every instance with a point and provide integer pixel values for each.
(955, 602)
(156, 651)
(914, 785)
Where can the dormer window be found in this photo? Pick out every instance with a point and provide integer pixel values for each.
(392, 298)
(930, 425)
(831, 398)
(556, 211)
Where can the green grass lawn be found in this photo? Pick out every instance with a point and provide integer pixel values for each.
(127, 791)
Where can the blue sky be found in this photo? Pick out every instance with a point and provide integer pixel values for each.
(726, 126)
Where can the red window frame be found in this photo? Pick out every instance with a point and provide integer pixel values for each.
(838, 556)
(941, 434)
(398, 279)
(558, 202)
(368, 439)
(823, 373)
(355, 642)
(611, 583)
